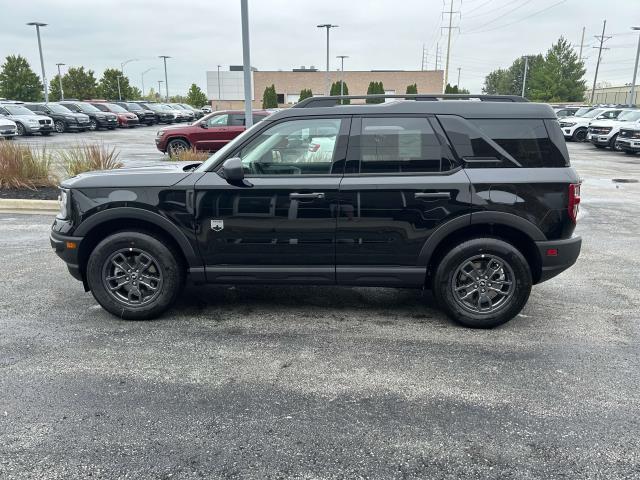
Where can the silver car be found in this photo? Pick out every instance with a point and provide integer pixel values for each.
(8, 128)
(27, 122)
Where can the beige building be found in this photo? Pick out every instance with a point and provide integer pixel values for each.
(617, 95)
(225, 89)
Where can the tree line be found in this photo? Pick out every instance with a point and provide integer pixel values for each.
(557, 76)
(18, 81)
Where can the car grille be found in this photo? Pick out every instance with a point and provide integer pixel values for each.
(630, 133)
(45, 122)
(599, 130)
(8, 131)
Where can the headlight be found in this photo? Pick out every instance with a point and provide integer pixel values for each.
(63, 203)
(33, 122)
(160, 133)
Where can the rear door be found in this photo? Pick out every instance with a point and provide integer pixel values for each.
(401, 183)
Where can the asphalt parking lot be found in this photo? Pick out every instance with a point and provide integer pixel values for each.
(287, 382)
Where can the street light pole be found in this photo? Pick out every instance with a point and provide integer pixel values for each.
(246, 63)
(524, 77)
(217, 105)
(328, 26)
(60, 80)
(160, 82)
(166, 83)
(142, 75)
(632, 94)
(122, 73)
(342, 57)
(44, 76)
(458, 84)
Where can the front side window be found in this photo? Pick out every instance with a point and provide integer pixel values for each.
(218, 120)
(399, 145)
(295, 147)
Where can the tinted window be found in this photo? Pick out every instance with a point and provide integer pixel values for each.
(237, 119)
(399, 145)
(527, 141)
(294, 147)
(218, 120)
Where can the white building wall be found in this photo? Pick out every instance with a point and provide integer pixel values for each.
(231, 85)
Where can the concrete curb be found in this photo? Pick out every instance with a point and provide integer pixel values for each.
(19, 205)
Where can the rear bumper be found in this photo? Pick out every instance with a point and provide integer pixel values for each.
(61, 243)
(566, 254)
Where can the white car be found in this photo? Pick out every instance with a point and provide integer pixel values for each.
(604, 133)
(575, 128)
(8, 128)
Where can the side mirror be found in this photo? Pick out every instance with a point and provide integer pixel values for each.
(233, 170)
(203, 125)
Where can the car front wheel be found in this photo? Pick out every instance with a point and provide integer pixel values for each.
(177, 145)
(482, 283)
(93, 125)
(134, 275)
(59, 124)
(580, 135)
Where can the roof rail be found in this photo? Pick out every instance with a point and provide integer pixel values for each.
(330, 101)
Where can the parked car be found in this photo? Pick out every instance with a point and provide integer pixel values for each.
(63, 119)
(97, 118)
(628, 139)
(161, 114)
(27, 122)
(125, 118)
(8, 128)
(206, 109)
(196, 112)
(604, 133)
(181, 115)
(412, 194)
(144, 116)
(186, 114)
(575, 128)
(210, 133)
(563, 112)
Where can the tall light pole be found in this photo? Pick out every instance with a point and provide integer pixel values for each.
(632, 94)
(142, 76)
(458, 84)
(328, 26)
(44, 76)
(524, 77)
(342, 57)
(160, 82)
(218, 86)
(166, 83)
(122, 74)
(60, 80)
(246, 63)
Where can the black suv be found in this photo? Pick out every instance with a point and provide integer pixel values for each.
(144, 116)
(97, 118)
(474, 200)
(160, 114)
(63, 119)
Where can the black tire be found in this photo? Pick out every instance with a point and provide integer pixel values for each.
(449, 271)
(45, 134)
(612, 143)
(111, 128)
(166, 266)
(599, 146)
(93, 125)
(177, 144)
(59, 126)
(580, 135)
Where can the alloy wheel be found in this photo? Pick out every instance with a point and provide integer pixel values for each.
(132, 277)
(20, 128)
(59, 126)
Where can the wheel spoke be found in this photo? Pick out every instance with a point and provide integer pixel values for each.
(132, 276)
(468, 294)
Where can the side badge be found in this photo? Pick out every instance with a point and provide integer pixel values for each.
(217, 225)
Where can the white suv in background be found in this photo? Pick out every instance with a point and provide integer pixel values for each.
(604, 133)
(575, 128)
(8, 128)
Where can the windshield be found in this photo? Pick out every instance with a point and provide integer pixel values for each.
(116, 108)
(629, 116)
(177, 106)
(168, 108)
(593, 113)
(582, 111)
(153, 106)
(18, 110)
(87, 107)
(134, 107)
(55, 108)
(213, 159)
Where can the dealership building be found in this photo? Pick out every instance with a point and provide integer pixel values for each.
(225, 88)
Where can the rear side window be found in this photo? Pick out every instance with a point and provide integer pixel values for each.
(238, 119)
(526, 140)
(400, 145)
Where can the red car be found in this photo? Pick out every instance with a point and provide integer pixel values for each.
(210, 133)
(125, 118)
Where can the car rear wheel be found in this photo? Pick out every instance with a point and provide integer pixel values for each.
(177, 145)
(93, 125)
(134, 275)
(482, 283)
(59, 125)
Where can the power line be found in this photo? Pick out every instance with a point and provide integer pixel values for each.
(505, 13)
(602, 39)
(498, 8)
(516, 21)
(479, 6)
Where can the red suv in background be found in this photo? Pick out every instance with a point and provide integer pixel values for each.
(125, 118)
(210, 133)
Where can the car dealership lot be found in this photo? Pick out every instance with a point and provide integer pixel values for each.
(327, 382)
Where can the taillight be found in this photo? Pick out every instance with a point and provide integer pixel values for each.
(574, 201)
(314, 147)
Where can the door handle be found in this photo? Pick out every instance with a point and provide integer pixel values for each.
(432, 195)
(306, 196)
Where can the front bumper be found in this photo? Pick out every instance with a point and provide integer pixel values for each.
(628, 145)
(78, 126)
(599, 139)
(557, 256)
(129, 122)
(62, 244)
(8, 132)
(107, 122)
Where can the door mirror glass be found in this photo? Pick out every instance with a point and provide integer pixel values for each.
(203, 125)
(233, 170)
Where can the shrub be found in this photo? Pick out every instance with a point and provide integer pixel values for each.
(189, 155)
(88, 157)
(21, 167)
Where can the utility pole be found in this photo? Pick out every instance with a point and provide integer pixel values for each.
(437, 54)
(328, 26)
(160, 82)
(142, 75)
(424, 58)
(581, 45)
(632, 93)
(218, 87)
(342, 57)
(44, 76)
(60, 80)
(458, 84)
(602, 39)
(449, 28)
(524, 77)
(166, 83)
(246, 63)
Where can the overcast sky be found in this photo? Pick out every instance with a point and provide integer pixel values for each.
(376, 34)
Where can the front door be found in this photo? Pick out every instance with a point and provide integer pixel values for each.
(401, 183)
(211, 134)
(281, 225)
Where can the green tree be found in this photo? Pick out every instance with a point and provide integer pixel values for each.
(559, 78)
(335, 90)
(54, 88)
(305, 93)
(108, 85)
(196, 97)
(18, 81)
(80, 84)
(412, 89)
(151, 95)
(178, 99)
(375, 88)
(270, 98)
